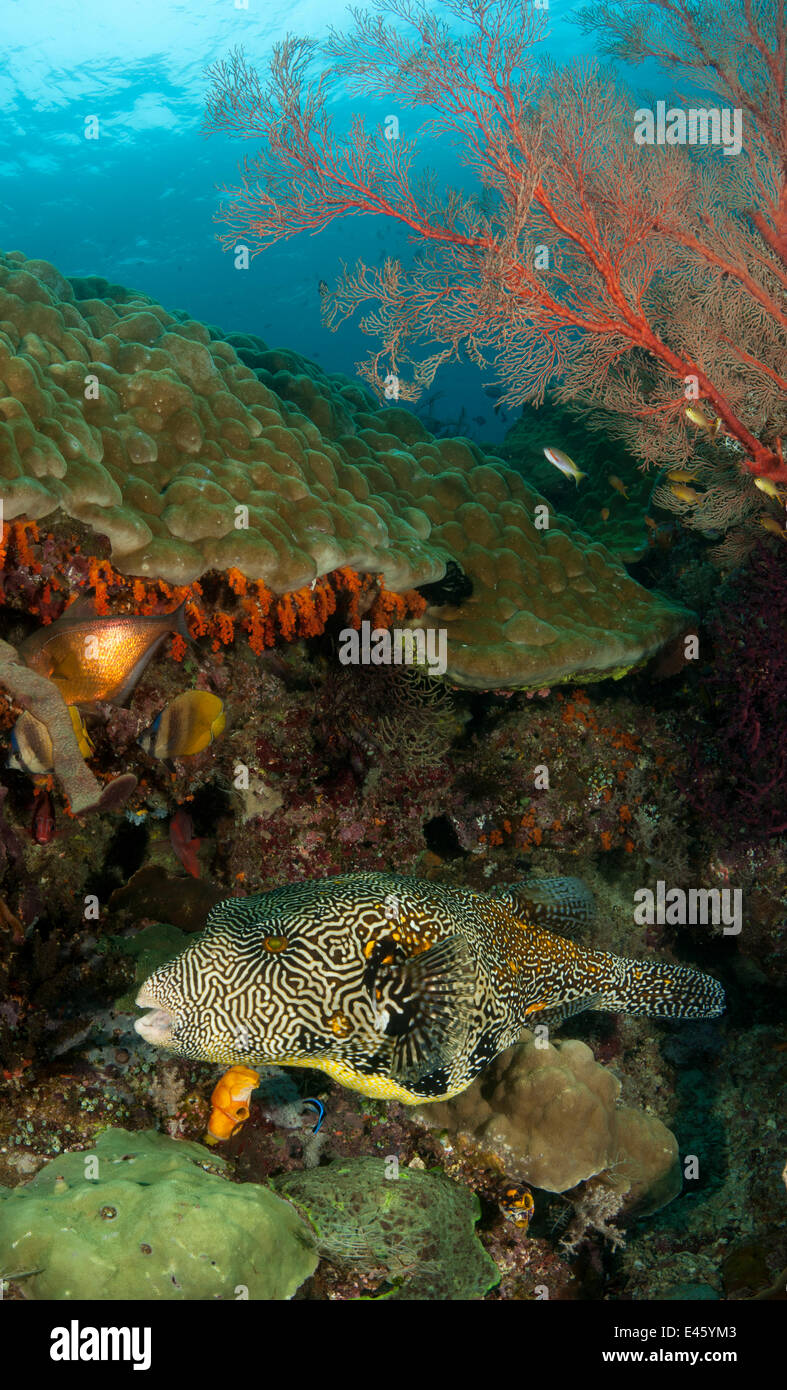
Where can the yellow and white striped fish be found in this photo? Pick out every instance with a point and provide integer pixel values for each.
(397, 987)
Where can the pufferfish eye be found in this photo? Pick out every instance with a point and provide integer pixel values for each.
(275, 944)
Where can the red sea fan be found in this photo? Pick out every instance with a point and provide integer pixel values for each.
(621, 276)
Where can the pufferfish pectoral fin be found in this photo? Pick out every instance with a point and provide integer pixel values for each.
(561, 903)
(558, 1013)
(422, 1004)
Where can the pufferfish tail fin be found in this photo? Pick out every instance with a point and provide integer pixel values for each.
(559, 903)
(658, 989)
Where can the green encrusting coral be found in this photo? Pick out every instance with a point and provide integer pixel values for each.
(143, 1216)
(147, 949)
(417, 1227)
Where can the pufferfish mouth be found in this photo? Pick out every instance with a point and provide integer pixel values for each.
(156, 1026)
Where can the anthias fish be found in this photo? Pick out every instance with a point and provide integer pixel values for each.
(397, 987)
(564, 464)
(92, 658)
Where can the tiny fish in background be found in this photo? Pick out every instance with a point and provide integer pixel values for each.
(186, 726)
(770, 489)
(701, 420)
(184, 842)
(769, 523)
(322, 288)
(681, 475)
(93, 658)
(685, 494)
(31, 746)
(618, 484)
(563, 464)
(604, 514)
(42, 827)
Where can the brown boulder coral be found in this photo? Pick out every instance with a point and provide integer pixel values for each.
(551, 1114)
(149, 431)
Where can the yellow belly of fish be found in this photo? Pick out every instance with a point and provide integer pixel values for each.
(375, 1087)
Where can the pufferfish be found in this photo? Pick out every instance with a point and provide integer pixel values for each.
(396, 987)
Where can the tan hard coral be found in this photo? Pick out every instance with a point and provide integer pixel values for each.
(551, 1114)
(154, 433)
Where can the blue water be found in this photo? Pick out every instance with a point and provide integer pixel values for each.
(136, 205)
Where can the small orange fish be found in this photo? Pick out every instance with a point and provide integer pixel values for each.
(91, 658)
(230, 1102)
(604, 514)
(685, 494)
(769, 523)
(618, 484)
(681, 475)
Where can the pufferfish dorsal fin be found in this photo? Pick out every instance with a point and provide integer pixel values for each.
(559, 903)
(421, 1003)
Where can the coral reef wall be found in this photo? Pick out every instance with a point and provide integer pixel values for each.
(149, 431)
